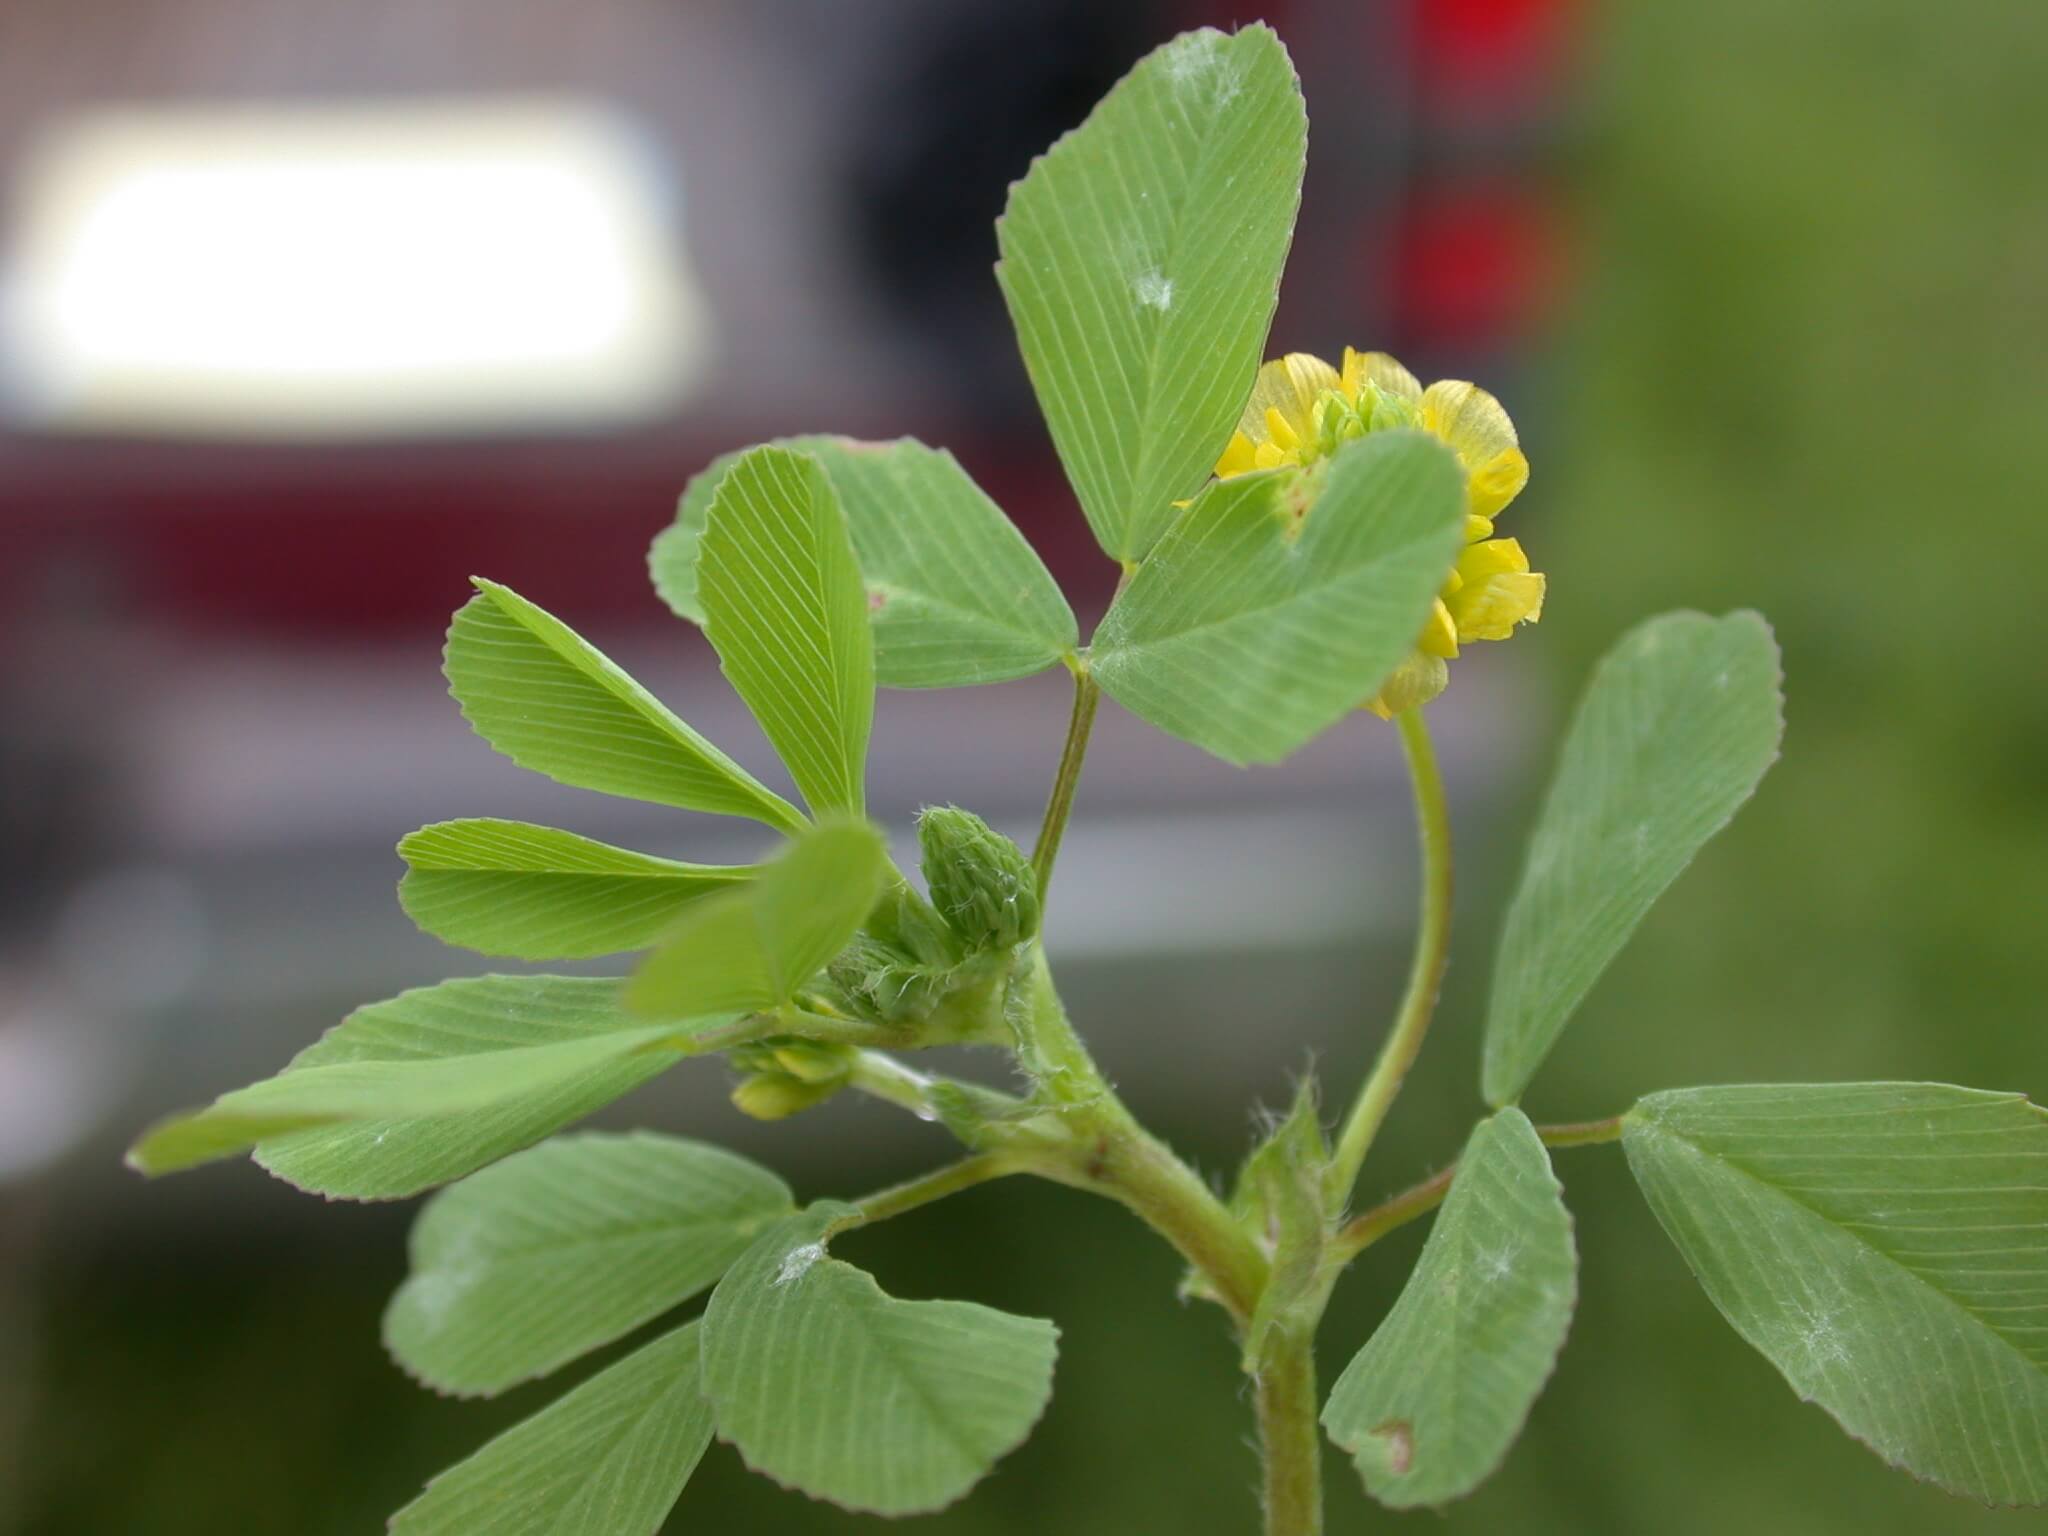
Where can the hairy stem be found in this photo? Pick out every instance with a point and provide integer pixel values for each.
(1113, 1155)
(1290, 1441)
(1425, 975)
(1368, 1227)
(1099, 1145)
(936, 1185)
(1086, 696)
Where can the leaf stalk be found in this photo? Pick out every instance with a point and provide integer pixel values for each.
(1425, 976)
(1087, 695)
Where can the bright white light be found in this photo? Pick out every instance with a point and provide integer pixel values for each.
(347, 270)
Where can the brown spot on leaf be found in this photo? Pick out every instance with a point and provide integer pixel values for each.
(877, 599)
(1400, 1437)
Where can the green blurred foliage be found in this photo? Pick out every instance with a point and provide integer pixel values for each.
(1805, 373)
(1808, 374)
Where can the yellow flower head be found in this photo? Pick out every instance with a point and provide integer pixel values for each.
(1302, 410)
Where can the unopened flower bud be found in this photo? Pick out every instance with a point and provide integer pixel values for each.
(812, 1061)
(880, 983)
(980, 881)
(777, 1095)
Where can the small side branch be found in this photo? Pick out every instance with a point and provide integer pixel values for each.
(1368, 1227)
(937, 1185)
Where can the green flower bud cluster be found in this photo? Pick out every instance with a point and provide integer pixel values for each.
(1337, 420)
(980, 881)
(884, 984)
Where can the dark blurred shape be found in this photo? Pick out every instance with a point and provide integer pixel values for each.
(960, 102)
(1492, 58)
(1475, 263)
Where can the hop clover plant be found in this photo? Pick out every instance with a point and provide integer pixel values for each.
(1297, 541)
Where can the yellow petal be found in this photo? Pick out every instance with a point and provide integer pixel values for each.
(1439, 631)
(1362, 368)
(1477, 528)
(1491, 558)
(1490, 609)
(1497, 482)
(1280, 431)
(1237, 458)
(1416, 681)
(1288, 385)
(1269, 456)
(1479, 432)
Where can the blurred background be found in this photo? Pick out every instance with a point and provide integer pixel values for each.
(307, 312)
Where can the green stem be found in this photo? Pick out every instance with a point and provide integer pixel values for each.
(1112, 1154)
(1425, 975)
(1290, 1440)
(882, 1076)
(788, 1021)
(1368, 1227)
(1086, 696)
(1582, 1133)
(936, 1185)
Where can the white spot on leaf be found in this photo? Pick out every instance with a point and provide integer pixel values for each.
(1154, 290)
(797, 1262)
(1494, 1265)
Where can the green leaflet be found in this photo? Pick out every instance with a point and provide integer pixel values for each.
(672, 557)
(1430, 1406)
(956, 596)
(608, 1459)
(535, 893)
(549, 700)
(311, 1097)
(545, 1256)
(457, 1031)
(831, 1387)
(1672, 735)
(1885, 1246)
(1251, 628)
(785, 608)
(754, 946)
(1141, 259)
